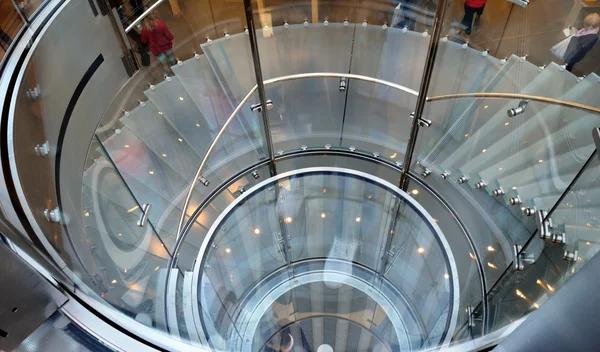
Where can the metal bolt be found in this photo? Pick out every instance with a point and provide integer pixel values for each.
(515, 200)
(42, 149)
(498, 192)
(303, 147)
(528, 211)
(462, 179)
(570, 256)
(352, 148)
(204, 181)
(560, 238)
(480, 185)
(426, 173)
(52, 215)
(255, 174)
(328, 146)
(445, 175)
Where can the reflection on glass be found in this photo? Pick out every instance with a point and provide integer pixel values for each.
(324, 233)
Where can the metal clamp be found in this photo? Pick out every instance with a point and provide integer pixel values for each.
(481, 184)
(422, 122)
(258, 106)
(519, 109)
(543, 224)
(515, 200)
(520, 258)
(570, 256)
(144, 216)
(343, 84)
(52, 215)
(42, 149)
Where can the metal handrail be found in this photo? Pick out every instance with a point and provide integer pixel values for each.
(143, 15)
(179, 235)
(548, 100)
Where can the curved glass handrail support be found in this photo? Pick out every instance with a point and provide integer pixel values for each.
(257, 211)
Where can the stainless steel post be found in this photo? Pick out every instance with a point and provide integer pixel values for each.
(260, 84)
(427, 72)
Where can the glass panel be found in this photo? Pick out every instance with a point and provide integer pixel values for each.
(519, 293)
(530, 157)
(306, 111)
(377, 116)
(122, 264)
(10, 24)
(303, 219)
(469, 277)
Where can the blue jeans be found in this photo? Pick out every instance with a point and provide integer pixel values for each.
(167, 60)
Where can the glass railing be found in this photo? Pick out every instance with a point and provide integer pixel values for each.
(500, 141)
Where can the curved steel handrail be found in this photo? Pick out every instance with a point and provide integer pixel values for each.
(402, 88)
(239, 107)
(538, 98)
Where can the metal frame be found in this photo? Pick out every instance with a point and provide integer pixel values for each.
(434, 42)
(437, 232)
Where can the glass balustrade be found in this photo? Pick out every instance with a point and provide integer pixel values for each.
(230, 261)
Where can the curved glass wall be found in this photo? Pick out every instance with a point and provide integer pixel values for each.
(502, 140)
(324, 231)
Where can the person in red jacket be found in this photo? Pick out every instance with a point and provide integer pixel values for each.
(472, 7)
(159, 39)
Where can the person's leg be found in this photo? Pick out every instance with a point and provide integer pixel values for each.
(171, 57)
(162, 58)
(467, 21)
(479, 12)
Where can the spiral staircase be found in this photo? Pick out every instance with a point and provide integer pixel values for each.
(213, 221)
(512, 166)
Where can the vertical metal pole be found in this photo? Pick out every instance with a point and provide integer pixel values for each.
(260, 84)
(427, 72)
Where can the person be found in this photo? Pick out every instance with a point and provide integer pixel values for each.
(4, 38)
(472, 7)
(582, 41)
(412, 10)
(160, 40)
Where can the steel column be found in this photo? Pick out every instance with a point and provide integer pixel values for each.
(440, 12)
(260, 84)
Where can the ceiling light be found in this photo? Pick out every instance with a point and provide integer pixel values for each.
(420, 250)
